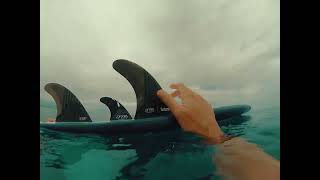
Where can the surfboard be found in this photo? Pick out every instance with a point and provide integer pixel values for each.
(151, 113)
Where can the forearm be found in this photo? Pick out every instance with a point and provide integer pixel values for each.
(239, 159)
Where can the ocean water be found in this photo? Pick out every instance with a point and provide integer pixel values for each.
(166, 155)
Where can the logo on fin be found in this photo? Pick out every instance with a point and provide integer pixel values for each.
(149, 110)
(164, 109)
(82, 118)
(122, 116)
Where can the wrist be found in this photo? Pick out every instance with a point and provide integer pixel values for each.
(218, 139)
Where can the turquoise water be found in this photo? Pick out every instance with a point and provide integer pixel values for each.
(167, 155)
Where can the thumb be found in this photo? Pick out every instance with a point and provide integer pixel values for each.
(168, 100)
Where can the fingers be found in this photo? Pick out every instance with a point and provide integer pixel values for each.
(180, 86)
(175, 94)
(168, 100)
(183, 90)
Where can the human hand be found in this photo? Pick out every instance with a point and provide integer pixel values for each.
(194, 114)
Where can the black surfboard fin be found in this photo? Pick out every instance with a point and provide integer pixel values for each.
(145, 88)
(69, 108)
(116, 109)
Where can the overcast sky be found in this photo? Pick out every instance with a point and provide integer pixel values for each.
(226, 50)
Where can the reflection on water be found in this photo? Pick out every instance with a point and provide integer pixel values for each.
(236, 126)
(131, 156)
(62, 151)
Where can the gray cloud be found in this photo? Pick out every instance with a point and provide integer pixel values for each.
(229, 51)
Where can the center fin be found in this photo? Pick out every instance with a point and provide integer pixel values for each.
(69, 108)
(116, 109)
(145, 88)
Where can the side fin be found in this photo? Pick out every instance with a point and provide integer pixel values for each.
(145, 88)
(116, 109)
(69, 108)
